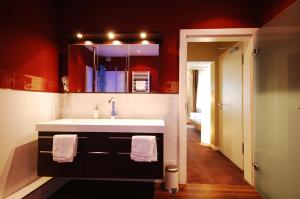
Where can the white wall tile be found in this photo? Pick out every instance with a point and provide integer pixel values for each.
(171, 149)
(20, 111)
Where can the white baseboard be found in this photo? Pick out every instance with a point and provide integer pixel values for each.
(40, 188)
(29, 188)
(213, 147)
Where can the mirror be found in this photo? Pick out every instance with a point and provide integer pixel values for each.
(108, 68)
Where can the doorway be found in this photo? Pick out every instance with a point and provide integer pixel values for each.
(214, 136)
(219, 35)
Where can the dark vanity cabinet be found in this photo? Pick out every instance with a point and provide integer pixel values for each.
(99, 155)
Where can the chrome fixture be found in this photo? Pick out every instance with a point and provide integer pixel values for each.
(65, 81)
(113, 108)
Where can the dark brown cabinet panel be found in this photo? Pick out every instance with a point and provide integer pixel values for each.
(100, 155)
(127, 168)
(99, 164)
(48, 167)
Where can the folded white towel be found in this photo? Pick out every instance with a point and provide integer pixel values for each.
(64, 148)
(143, 148)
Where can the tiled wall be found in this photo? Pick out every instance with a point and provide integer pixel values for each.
(20, 111)
(160, 106)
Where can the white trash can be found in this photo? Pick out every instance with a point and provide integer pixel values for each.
(171, 178)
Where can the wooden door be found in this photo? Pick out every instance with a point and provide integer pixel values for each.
(230, 104)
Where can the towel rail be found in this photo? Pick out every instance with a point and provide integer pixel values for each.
(51, 137)
(99, 152)
(120, 138)
(123, 153)
(123, 138)
(51, 152)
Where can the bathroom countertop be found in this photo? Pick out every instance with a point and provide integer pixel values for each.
(103, 125)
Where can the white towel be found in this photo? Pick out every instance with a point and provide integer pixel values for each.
(143, 148)
(64, 148)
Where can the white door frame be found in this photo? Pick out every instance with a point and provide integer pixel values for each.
(205, 35)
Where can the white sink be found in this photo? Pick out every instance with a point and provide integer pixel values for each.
(103, 125)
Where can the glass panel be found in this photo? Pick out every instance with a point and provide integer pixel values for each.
(277, 106)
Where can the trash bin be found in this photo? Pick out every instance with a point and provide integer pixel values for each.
(171, 178)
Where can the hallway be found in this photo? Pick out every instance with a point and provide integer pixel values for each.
(206, 166)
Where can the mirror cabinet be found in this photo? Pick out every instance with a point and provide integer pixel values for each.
(111, 68)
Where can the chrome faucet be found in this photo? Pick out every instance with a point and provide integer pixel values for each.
(113, 108)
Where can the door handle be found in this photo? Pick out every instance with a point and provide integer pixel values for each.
(255, 166)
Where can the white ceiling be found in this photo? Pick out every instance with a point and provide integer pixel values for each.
(109, 50)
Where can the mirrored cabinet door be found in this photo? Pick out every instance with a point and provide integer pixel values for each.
(108, 68)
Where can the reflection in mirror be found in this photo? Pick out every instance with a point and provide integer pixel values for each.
(107, 68)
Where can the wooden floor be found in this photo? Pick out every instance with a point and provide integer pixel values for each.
(210, 191)
(206, 166)
(88, 189)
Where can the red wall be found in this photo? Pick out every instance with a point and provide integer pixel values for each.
(271, 8)
(28, 53)
(79, 57)
(164, 17)
(28, 31)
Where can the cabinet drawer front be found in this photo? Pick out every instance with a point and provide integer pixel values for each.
(48, 167)
(98, 140)
(99, 164)
(127, 168)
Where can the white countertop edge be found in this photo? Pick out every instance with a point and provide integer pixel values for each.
(157, 126)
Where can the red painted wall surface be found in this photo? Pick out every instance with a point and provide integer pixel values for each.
(79, 58)
(28, 52)
(271, 8)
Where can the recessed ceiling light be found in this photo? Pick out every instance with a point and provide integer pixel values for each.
(116, 42)
(143, 35)
(145, 42)
(79, 35)
(88, 43)
(111, 35)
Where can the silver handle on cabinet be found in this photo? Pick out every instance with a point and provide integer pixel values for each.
(120, 153)
(45, 151)
(51, 137)
(123, 153)
(51, 152)
(120, 138)
(99, 152)
(123, 138)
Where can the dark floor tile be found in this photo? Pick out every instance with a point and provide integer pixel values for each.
(92, 189)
